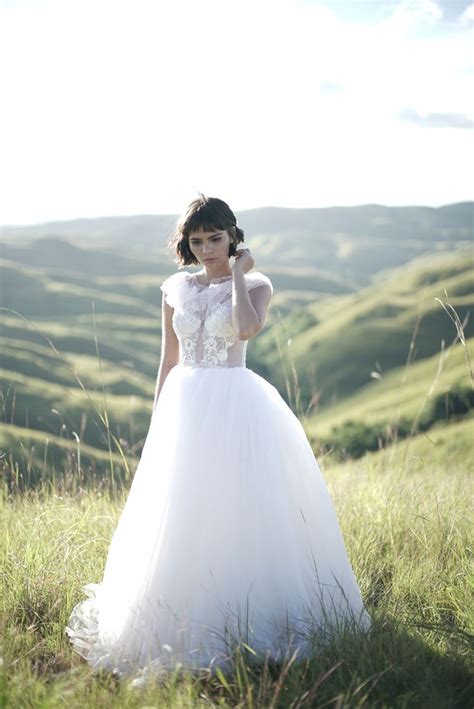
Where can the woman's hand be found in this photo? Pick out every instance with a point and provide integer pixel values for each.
(243, 260)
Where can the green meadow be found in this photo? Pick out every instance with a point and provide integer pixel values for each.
(370, 343)
(378, 356)
(406, 513)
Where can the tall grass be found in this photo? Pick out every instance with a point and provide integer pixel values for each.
(407, 528)
(405, 514)
(100, 417)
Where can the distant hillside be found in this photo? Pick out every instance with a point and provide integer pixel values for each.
(49, 265)
(81, 319)
(403, 392)
(335, 343)
(56, 255)
(343, 242)
(338, 342)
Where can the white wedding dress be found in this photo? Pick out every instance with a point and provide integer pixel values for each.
(228, 531)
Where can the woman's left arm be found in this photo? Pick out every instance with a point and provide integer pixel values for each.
(248, 308)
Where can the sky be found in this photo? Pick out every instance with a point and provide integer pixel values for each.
(135, 106)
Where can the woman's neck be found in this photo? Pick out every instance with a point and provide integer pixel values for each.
(209, 274)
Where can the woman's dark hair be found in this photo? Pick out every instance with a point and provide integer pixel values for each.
(208, 214)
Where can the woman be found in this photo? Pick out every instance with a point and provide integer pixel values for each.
(228, 532)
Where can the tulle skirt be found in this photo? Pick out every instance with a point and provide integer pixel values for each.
(228, 534)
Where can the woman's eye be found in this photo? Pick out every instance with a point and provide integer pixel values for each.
(194, 243)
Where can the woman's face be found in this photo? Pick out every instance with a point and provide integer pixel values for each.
(211, 248)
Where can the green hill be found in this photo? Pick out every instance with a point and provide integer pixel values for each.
(78, 335)
(350, 243)
(341, 342)
(35, 294)
(404, 392)
(35, 458)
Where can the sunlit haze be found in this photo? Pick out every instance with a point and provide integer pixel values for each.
(115, 108)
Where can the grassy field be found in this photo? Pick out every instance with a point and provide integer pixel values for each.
(74, 415)
(70, 372)
(375, 329)
(405, 513)
(403, 392)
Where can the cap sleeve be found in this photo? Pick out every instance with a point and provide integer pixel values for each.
(256, 278)
(170, 286)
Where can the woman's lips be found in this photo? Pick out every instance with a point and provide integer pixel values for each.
(209, 259)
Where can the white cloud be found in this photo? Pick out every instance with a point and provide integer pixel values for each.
(467, 16)
(411, 12)
(437, 120)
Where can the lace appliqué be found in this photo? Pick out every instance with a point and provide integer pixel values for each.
(187, 326)
(205, 342)
(218, 336)
(202, 319)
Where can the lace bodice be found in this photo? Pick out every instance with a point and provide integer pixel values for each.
(202, 318)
